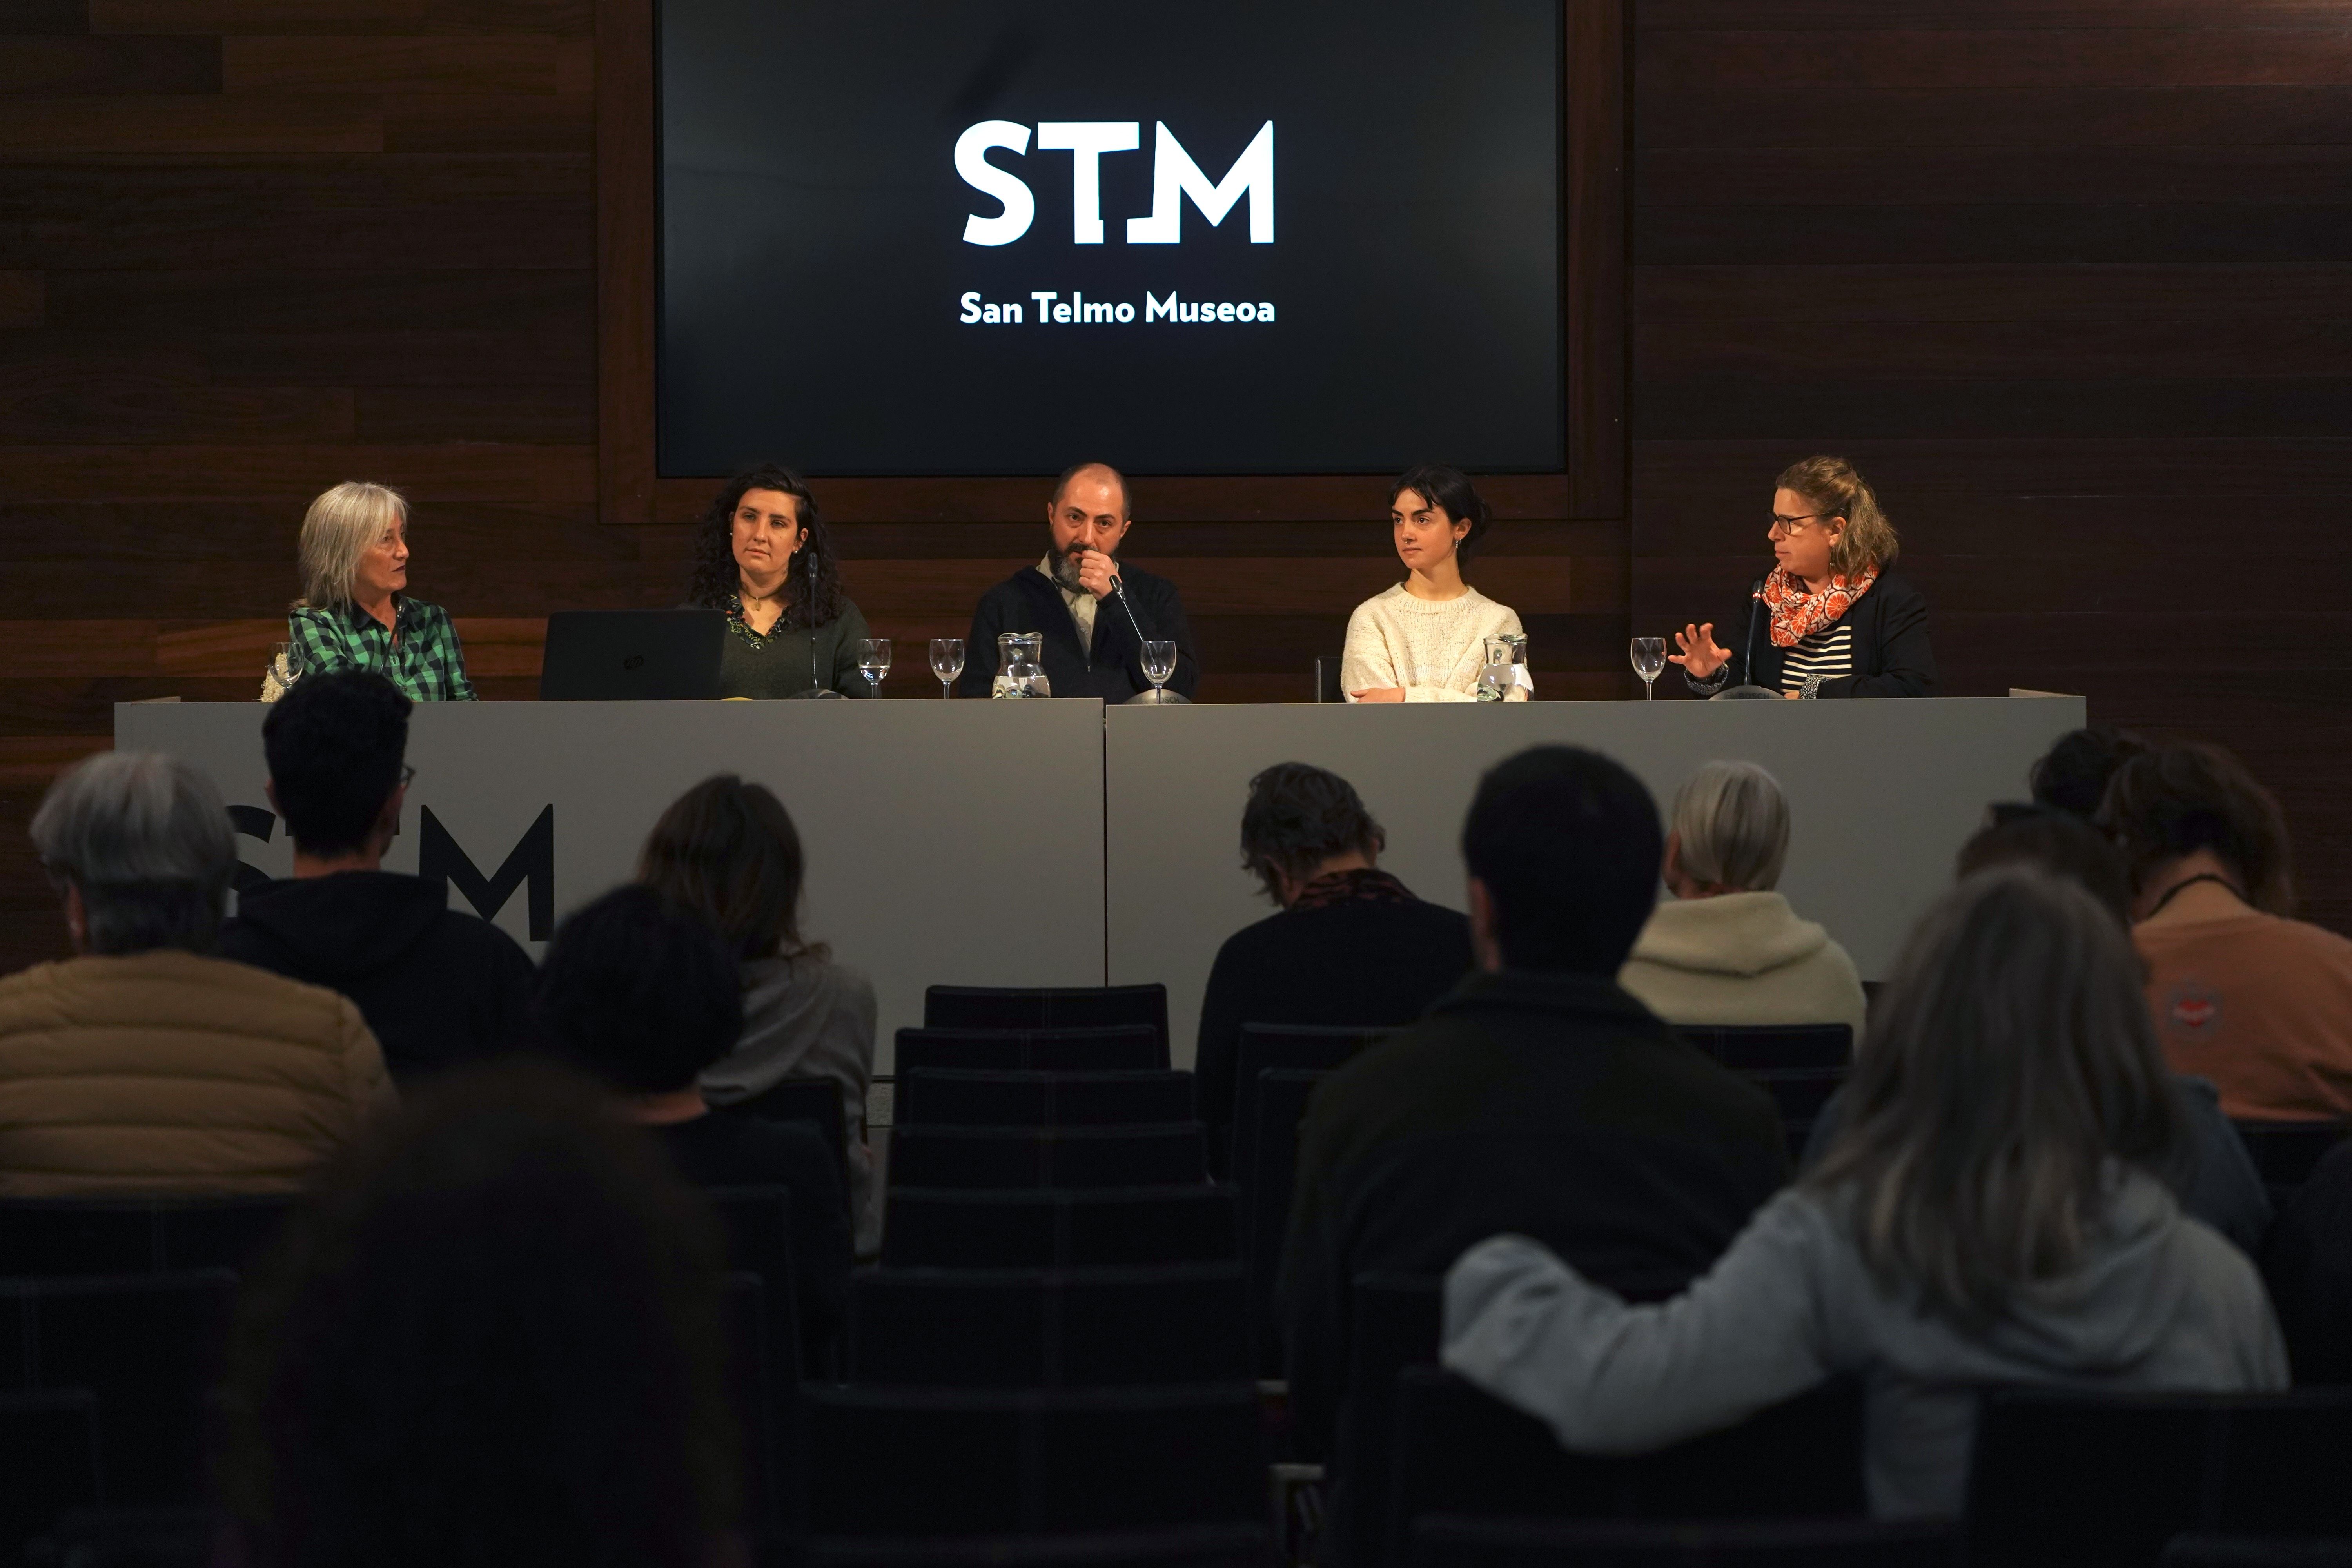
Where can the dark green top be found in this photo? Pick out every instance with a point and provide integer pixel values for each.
(420, 653)
(791, 659)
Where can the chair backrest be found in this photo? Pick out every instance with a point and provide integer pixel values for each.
(49, 1451)
(1055, 1229)
(1460, 1452)
(2071, 1478)
(1183, 1546)
(1265, 1168)
(758, 1225)
(816, 1101)
(1327, 678)
(148, 1346)
(938, 1462)
(1454, 1541)
(1394, 1322)
(941, 1096)
(1755, 1047)
(1307, 1048)
(2308, 1264)
(136, 1235)
(752, 1391)
(966, 1328)
(2213, 1550)
(1048, 1008)
(1168, 1155)
(1115, 1047)
(2286, 1152)
(1799, 1094)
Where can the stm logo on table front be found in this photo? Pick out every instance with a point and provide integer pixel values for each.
(1175, 179)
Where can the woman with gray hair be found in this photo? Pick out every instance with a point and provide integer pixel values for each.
(1992, 1215)
(355, 612)
(144, 1064)
(1726, 949)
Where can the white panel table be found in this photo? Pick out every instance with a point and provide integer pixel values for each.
(947, 842)
(1883, 793)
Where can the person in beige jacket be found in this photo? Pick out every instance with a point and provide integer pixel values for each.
(1726, 949)
(143, 1065)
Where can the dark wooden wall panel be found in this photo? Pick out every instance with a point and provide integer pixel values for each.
(2069, 282)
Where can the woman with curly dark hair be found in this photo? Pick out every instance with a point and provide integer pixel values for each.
(761, 554)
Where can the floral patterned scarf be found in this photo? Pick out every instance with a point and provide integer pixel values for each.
(1797, 612)
(1363, 886)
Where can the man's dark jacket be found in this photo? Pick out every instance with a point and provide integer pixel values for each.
(437, 987)
(1549, 1105)
(1113, 669)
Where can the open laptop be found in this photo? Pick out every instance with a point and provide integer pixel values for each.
(602, 655)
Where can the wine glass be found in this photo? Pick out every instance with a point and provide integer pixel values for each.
(874, 662)
(947, 662)
(286, 662)
(1158, 664)
(1649, 655)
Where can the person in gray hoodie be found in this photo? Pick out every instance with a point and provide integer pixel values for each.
(727, 850)
(1993, 1214)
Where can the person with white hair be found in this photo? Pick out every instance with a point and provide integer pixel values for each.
(355, 612)
(144, 1064)
(1726, 949)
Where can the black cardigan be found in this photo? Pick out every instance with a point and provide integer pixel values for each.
(1028, 602)
(1891, 656)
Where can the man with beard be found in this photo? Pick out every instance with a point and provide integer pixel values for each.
(1073, 598)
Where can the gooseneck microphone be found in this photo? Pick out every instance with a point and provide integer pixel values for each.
(1755, 616)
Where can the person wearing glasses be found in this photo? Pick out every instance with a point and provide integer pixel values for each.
(438, 988)
(762, 555)
(1840, 621)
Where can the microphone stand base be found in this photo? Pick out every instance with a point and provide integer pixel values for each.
(1160, 698)
(1746, 693)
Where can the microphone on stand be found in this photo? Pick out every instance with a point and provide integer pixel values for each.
(1747, 690)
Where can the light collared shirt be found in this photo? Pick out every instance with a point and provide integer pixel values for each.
(1081, 603)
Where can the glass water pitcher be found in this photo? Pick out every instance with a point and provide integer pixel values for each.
(1505, 666)
(1018, 671)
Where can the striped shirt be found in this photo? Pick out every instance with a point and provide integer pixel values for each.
(1828, 653)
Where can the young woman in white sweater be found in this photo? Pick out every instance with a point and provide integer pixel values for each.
(1424, 640)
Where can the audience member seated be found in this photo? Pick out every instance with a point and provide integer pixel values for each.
(1536, 1097)
(1990, 1215)
(2071, 775)
(727, 850)
(2218, 1183)
(2243, 995)
(640, 993)
(144, 1064)
(438, 988)
(495, 1334)
(1351, 944)
(1726, 949)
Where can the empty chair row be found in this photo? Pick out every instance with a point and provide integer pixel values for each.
(965, 1098)
(1049, 1329)
(1165, 1154)
(1058, 1228)
(1049, 1007)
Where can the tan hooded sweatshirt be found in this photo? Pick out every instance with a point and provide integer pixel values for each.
(1741, 958)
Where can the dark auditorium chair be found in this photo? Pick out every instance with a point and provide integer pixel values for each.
(1195, 1546)
(757, 1224)
(1302, 1047)
(945, 1097)
(2308, 1264)
(752, 1391)
(1266, 1168)
(1058, 1228)
(1394, 1322)
(1451, 1542)
(2257, 1551)
(1798, 1093)
(132, 1538)
(1458, 1451)
(136, 1235)
(2063, 1478)
(48, 1452)
(2286, 1152)
(1089, 1328)
(1048, 1008)
(937, 1462)
(1766, 1048)
(816, 1101)
(1121, 1047)
(1168, 1155)
(147, 1346)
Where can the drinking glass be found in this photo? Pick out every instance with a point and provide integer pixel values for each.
(947, 662)
(874, 662)
(285, 660)
(1158, 664)
(1649, 662)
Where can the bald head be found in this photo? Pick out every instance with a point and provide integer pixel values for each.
(1094, 478)
(1090, 510)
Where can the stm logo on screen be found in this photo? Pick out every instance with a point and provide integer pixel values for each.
(1175, 178)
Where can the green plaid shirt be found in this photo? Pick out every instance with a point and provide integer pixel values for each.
(420, 655)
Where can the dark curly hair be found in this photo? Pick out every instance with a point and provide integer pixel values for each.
(335, 745)
(2168, 801)
(638, 990)
(492, 1333)
(812, 582)
(1451, 491)
(2071, 775)
(1297, 817)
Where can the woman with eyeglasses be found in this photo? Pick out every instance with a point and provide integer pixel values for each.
(1839, 620)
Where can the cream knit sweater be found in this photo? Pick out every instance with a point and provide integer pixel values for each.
(1432, 647)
